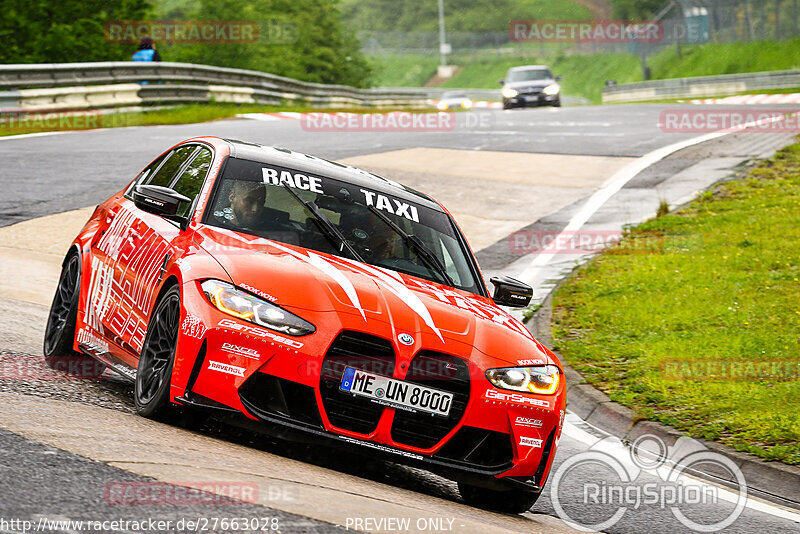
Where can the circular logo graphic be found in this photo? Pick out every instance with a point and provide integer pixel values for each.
(379, 392)
(405, 339)
(359, 233)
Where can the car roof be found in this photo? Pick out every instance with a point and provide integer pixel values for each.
(291, 159)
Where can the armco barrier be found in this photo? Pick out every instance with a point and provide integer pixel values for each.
(702, 86)
(58, 86)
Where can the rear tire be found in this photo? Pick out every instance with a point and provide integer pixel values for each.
(59, 334)
(154, 372)
(510, 502)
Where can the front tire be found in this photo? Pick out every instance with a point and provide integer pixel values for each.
(154, 373)
(510, 502)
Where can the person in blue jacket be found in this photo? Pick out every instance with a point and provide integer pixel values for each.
(147, 51)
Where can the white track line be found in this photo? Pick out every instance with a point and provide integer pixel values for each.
(614, 184)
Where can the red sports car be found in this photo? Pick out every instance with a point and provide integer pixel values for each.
(317, 301)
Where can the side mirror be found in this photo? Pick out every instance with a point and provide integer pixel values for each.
(559, 78)
(159, 200)
(511, 292)
(501, 81)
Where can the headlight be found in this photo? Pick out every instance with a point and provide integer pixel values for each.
(466, 104)
(551, 89)
(542, 379)
(509, 92)
(228, 299)
(442, 105)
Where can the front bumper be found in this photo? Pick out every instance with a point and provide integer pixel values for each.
(289, 387)
(526, 100)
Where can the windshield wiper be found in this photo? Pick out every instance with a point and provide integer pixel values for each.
(423, 252)
(329, 229)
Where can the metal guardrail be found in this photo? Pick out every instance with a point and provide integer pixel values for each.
(702, 86)
(45, 87)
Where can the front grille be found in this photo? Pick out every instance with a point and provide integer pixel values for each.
(359, 351)
(438, 371)
(269, 396)
(530, 90)
(478, 447)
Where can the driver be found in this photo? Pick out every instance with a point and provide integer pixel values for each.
(248, 200)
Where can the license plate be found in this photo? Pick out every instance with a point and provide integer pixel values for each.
(396, 393)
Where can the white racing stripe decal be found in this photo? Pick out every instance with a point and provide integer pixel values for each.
(393, 283)
(323, 265)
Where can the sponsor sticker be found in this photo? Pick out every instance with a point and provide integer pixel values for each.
(530, 362)
(226, 368)
(530, 442)
(258, 292)
(515, 398)
(260, 332)
(241, 351)
(193, 327)
(527, 421)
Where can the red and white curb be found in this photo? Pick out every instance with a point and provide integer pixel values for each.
(282, 115)
(792, 98)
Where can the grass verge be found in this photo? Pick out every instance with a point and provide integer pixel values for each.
(703, 334)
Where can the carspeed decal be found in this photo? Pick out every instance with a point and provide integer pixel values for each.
(260, 332)
(391, 205)
(193, 327)
(226, 368)
(515, 398)
(241, 351)
(530, 442)
(294, 180)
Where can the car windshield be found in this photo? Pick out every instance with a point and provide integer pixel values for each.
(529, 75)
(454, 94)
(316, 212)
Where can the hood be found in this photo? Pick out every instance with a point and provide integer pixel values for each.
(300, 279)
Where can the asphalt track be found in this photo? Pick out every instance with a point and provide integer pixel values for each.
(64, 440)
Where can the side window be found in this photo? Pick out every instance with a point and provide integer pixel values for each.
(145, 174)
(190, 182)
(175, 161)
